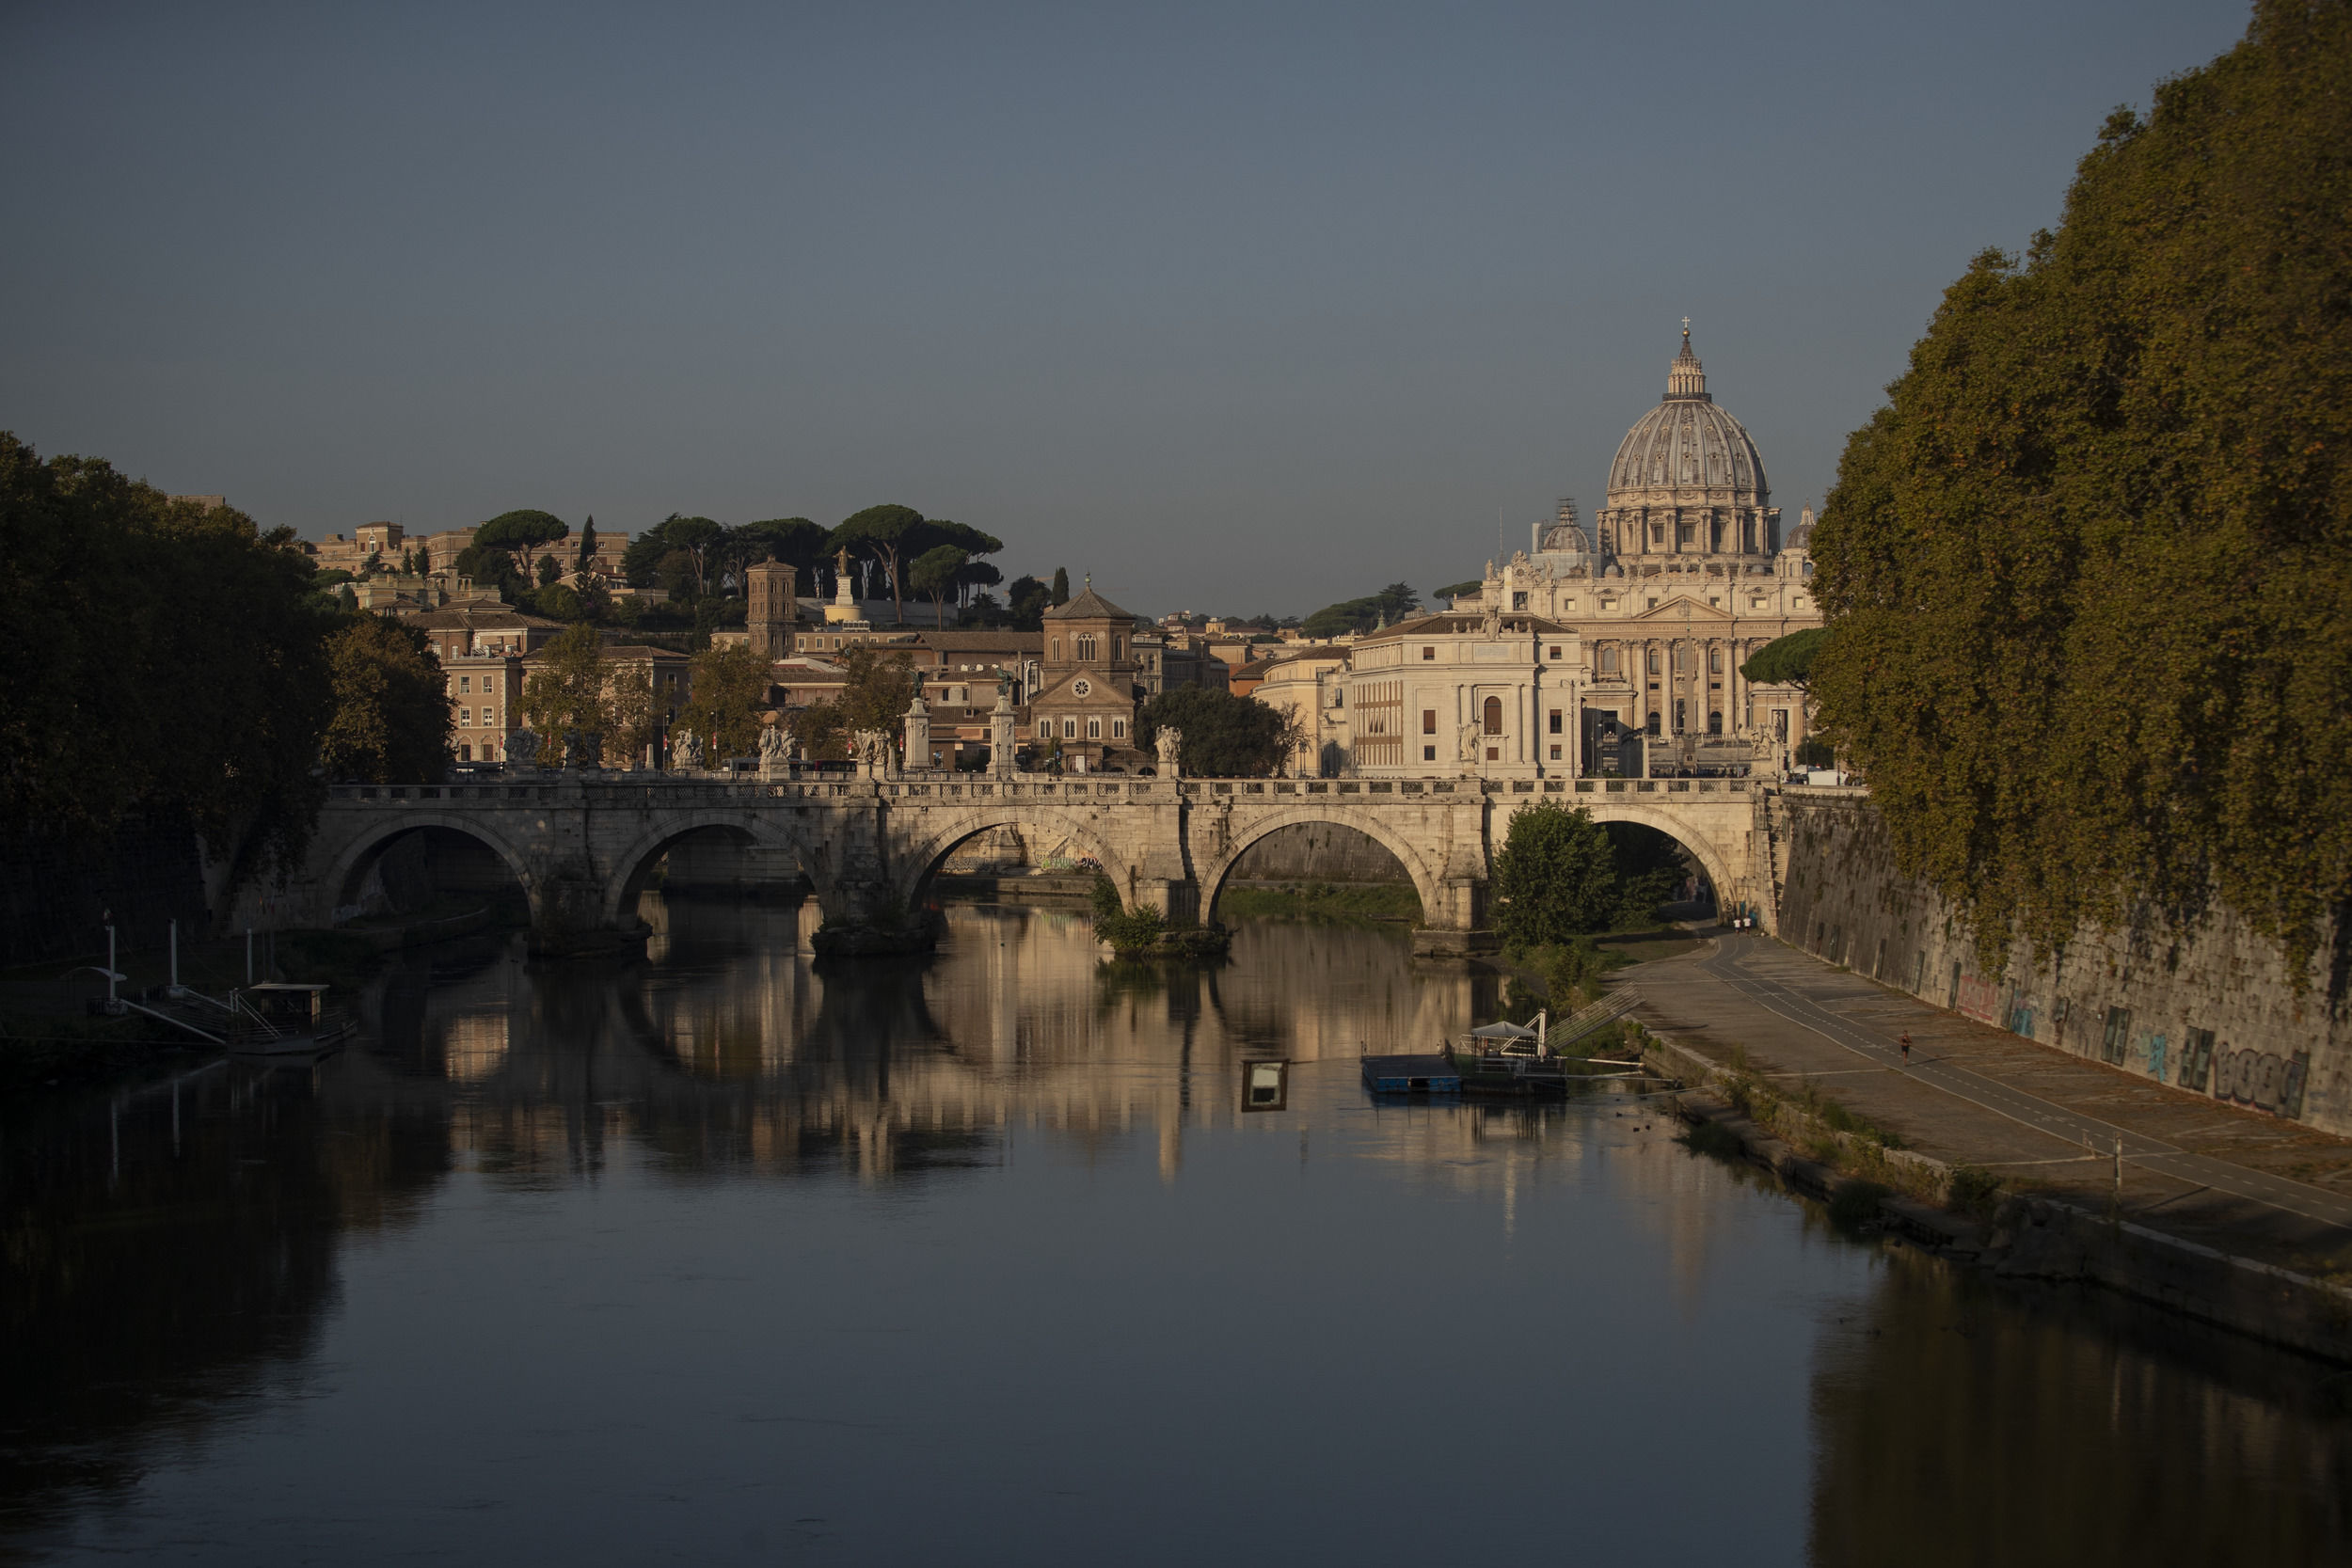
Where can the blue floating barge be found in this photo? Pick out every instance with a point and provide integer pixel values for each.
(1411, 1075)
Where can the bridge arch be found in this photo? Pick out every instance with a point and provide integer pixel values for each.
(1425, 882)
(914, 861)
(349, 870)
(631, 866)
(1730, 886)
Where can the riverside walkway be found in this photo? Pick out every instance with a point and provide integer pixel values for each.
(2041, 1120)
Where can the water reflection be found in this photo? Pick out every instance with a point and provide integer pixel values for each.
(545, 1175)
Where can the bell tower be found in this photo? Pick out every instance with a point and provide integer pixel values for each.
(772, 610)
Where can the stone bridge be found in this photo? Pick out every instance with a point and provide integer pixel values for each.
(580, 845)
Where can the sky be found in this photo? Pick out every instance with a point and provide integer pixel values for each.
(1239, 308)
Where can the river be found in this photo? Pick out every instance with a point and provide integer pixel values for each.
(730, 1258)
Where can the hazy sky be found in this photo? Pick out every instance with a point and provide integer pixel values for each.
(1241, 308)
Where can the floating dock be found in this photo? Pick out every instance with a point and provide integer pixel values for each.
(1411, 1075)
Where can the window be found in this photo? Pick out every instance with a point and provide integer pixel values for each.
(1518, 601)
(1608, 662)
(465, 683)
(2196, 1060)
(1046, 729)
(1085, 649)
(1605, 604)
(1713, 602)
(1555, 652)
(1114, 648)
(1494, 754)
(1715, 723)
(465, 717)
(1757, 603)
(2118, 1036)
(489, 718)
(464, 754)
(1429, 720)
(1070, 729)
(1657, 661)
(1428, 653)
(1653, 603)
(1555, 721)
(1493, 716)
(1568, 606)
(1119, 729)
(1094, 728)
(1652, 725)
(1797, 602)
(1057, 650)
(1681, 716)
(1714, 661)
(1555, 754)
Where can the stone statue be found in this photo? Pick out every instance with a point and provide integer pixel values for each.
(522, 747)
(1169, 743)
(1469, 735)
(689, 751)
(771, 758)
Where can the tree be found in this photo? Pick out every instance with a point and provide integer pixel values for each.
(489, 566)
(795, 541)
(550, 572)
(936, 573)
(1225, 735)
(881, 534)
(391, 720)
(564, 697)
(587, 555)
(519, 533)
(729, 694)
(1061, 586)
(976, 574)
(2086, 568)
(1787, 661)
(875, 694)
(424, 560)
(1388, 606)
(1457, 589)
(1560, 875)
(181, 658)
(1029, 599)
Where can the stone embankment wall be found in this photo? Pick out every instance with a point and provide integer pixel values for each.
(2215, 1011)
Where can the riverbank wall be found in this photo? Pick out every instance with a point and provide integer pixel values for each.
(2214, 1011)
(1947, 1210)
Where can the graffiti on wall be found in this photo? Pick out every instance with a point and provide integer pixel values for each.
(1979, 999)
(2261, 1079)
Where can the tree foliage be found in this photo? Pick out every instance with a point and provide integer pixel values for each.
(1457, 589)
(166, 661)
(875, 695)
(391, 720)
(1787, 661)
(1560, 875)
(1390, 605)
(937, 573)
(584, 706)
(519, 533)
(2093, 631)
(1224, 736)
(729, 695)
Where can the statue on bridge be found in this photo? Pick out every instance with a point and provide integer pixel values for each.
(686, 751)
(1169, 743)
(522, 749)
(771, 750)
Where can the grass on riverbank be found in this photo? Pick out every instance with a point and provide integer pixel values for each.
(1332, 902)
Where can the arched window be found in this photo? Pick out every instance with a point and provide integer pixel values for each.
(1655, 661)
(1494, 716)
(1652, 726)
(1085, 649)
(1715, 724)
(1608, 662)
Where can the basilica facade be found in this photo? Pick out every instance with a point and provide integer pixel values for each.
(1636, 626)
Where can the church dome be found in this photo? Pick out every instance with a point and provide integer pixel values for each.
(1687, 449)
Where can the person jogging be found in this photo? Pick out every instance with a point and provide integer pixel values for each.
(1905, 1043)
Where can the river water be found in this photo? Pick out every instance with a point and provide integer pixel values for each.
(725, 1257)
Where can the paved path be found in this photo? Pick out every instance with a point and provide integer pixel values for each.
(1977, 1095)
